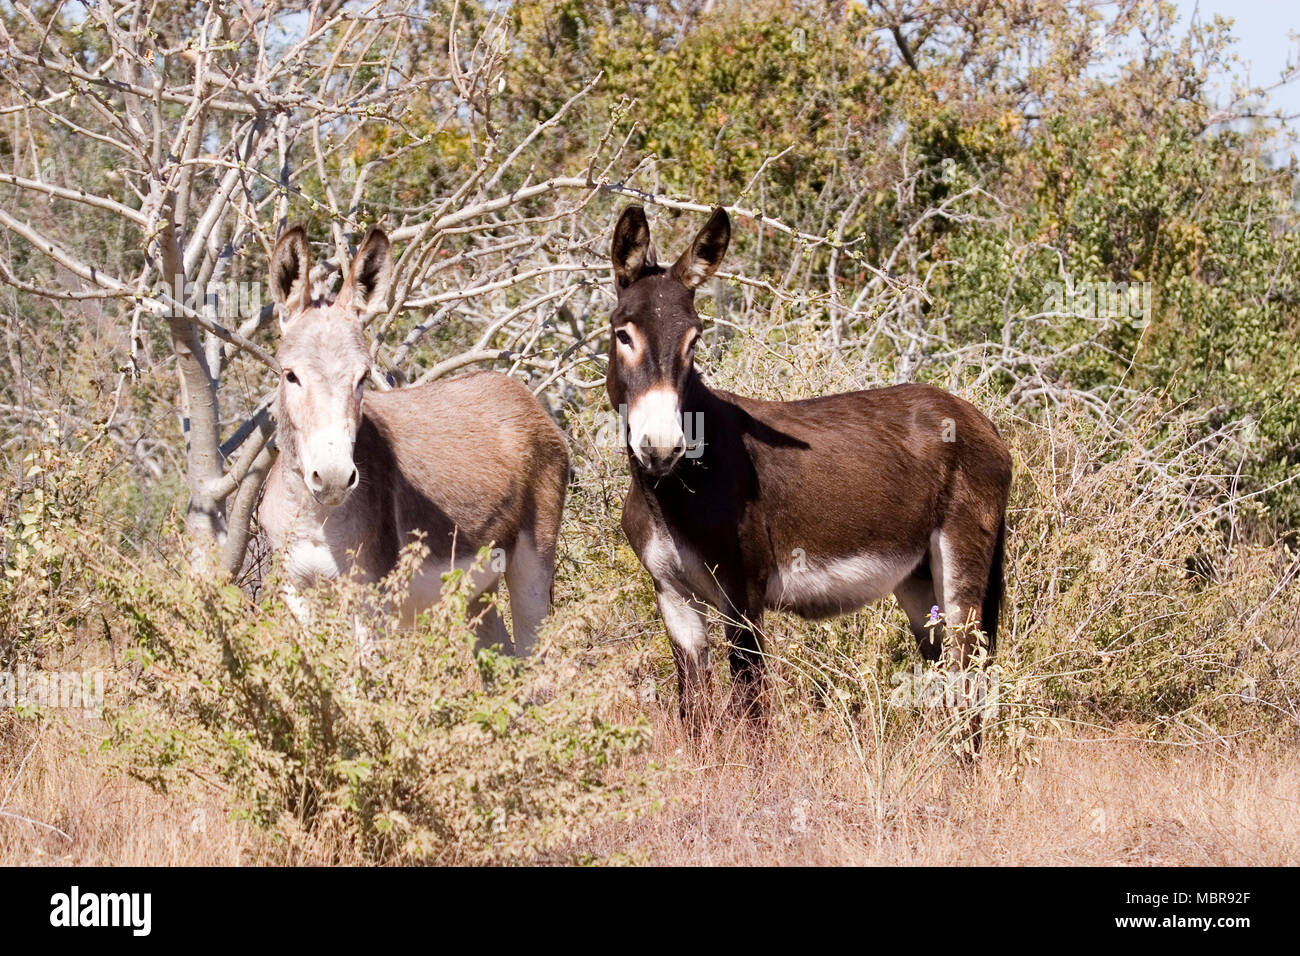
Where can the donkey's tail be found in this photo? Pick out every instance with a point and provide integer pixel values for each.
(993, 593)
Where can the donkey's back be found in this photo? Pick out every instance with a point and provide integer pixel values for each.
(468, 462)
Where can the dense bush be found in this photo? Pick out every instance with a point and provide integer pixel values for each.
(432, 753)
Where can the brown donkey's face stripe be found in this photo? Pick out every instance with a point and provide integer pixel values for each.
(654, 328)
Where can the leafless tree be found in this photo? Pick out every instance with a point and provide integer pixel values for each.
(221, 124)
(217, 121)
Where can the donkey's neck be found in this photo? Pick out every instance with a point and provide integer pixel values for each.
(719, 426)
(289, 465)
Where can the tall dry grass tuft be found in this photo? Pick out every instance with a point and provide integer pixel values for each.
(801, 798)
(61, 803)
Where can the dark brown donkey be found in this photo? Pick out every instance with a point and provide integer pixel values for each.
(817, 506)
(467, 462)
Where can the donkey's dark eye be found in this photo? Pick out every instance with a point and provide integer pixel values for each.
(623, 337)
(290, 377)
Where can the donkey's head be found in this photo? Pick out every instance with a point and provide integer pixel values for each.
(324, 362)
(654, 330)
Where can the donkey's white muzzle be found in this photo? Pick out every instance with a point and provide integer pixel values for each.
(327, 466)
(654, 424)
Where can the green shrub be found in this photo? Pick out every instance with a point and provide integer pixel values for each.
(430, 753)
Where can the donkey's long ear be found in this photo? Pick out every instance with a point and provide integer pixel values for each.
(631, 251)
(366, 287)
(291, 273)
(704, 256)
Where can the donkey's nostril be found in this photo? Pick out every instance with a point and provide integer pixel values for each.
(352, 481)
(655, 454)
(314, 481)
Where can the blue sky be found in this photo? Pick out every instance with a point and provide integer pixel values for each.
(1263, 31)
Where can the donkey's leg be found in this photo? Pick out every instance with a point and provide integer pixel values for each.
(489, 629)
(688, 630)
(296, 603)
(372, 618)
(965, 556)
(916, 597)
(530, 570)
(365, 638)
(745, 655)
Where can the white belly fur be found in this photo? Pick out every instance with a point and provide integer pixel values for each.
(816, 588)
(310, 561)
(838, 586)
(427, 584)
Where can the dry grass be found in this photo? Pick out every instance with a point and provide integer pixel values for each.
(61, 805)
(788, 801)
(1088, 801)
